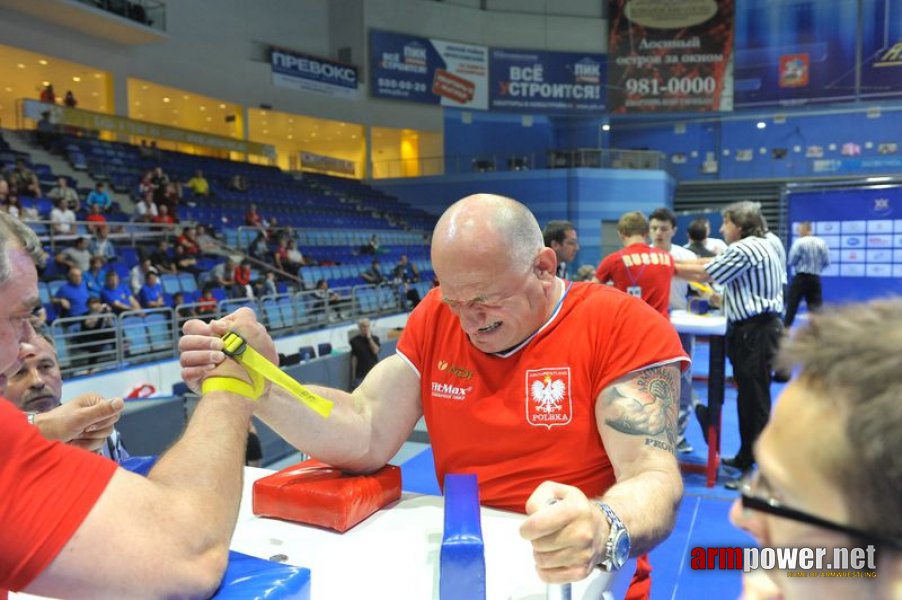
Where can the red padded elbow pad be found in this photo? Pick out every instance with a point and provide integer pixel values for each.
(315, 493)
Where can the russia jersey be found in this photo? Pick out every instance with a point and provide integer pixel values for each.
(527, 416)
(642, 266)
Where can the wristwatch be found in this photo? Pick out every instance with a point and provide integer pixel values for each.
(617, 546)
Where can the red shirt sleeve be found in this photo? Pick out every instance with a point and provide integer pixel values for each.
(48, 489)
(603, 272)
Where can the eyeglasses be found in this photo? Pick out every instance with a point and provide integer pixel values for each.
(757, 495)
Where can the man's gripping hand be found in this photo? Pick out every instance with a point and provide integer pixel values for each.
(200, 349)
(567, 532)
(85, 421)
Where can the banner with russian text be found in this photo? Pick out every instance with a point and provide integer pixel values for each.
(313, 74)
(666, 56)
(881, 48)
(546, 82)
(406, 67)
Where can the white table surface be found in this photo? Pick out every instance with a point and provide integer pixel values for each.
(395, 552)
(686, 322)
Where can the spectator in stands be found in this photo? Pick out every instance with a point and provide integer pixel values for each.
(102, 245)
(700, 243)
(364, 351)
(13, 206)
(95, 276)
(46, 133)
(585, 273)
(372, 246)
(199, 184)
(99, 196)
(72, 296)
(161, 258)
(62, 218)
(151, 293)
(267, 285)
(170, 198)
(188, 241)
(327, 300)
(48, 95)
(403, 275)
(75, 257)
(252, 218)
(207, 304)
(117, 295)
(98, 331)
(138, 274)
(69, 194)
(223, 274)
(147, 186)
(181, 311)
(95, 218)
(241, 277)
(259, 248)
(158, 180)
(23, 181)
(208, 244)
(186, 263)
(69, 101)
(146, 209)
(374, 275)
(281, 259)
(37, 387)
(4, 187)
(237, 183)
(27, 212)
(163, 217)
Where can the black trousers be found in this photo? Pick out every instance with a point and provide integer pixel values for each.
(752, 345)
(807, 286)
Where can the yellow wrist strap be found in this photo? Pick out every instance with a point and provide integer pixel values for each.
(260, 368)
(231, 384)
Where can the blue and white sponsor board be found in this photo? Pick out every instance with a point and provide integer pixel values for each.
(313, 74)
(539, 81)
(417, 69)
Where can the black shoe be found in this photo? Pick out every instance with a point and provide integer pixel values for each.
(737, 463)
(733, 484)
(781, 377)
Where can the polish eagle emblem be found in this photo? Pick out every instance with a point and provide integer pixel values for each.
(548, 394)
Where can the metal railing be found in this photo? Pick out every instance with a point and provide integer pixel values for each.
(594, 158)
(150, 13)
(133, 337)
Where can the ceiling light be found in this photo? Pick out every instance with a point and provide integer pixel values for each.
(313, 134)
(97, 76)
(143, 87)
(45, 83)
(137, 103)
(185, 97)
(209, 119)
(20, 65)
(353, 136)
(95, 94)
(203, 108)
(76, 79)
(606, 127)
(761, 125)
(166, 99)
(291, 120)
(8, 89)
(266, 132)
(222, 106)
(42, 62)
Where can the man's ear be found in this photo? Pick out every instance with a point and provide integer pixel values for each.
(545, 265)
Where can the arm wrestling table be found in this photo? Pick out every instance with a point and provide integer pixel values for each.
(715, 327)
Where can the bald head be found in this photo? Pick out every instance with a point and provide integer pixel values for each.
(489, 226)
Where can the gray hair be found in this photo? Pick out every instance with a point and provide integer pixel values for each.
(15, 234)
(850, 355)
(747, 216)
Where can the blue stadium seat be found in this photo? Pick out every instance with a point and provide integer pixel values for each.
(170, 283)
(136, 337)
(187, 282)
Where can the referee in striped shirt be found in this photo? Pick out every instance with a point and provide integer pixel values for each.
(809, 256)
(752, 271)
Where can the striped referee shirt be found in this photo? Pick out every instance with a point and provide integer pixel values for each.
(809, 254)
(753, 274)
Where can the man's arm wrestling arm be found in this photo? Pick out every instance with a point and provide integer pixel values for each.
(167, 534)
(693, 269)
(637, 421)
(366, 427)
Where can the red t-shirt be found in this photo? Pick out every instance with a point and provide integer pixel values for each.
(642, 266)
(490, 414)
(48, 489)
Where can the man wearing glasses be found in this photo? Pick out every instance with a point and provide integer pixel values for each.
(830, 460)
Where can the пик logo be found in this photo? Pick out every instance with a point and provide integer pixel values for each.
(587, 71)
(415, 54)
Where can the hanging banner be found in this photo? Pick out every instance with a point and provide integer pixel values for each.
(667, 56)
(881, 48)
(537, 81)
(795, 52)
(313, 74)
(406, 67)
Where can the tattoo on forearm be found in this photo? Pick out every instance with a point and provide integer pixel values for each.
(646, 405)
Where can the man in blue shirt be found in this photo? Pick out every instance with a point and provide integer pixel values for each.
(72, 297)
(151, 293)
(99, 197)
(116, 295)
